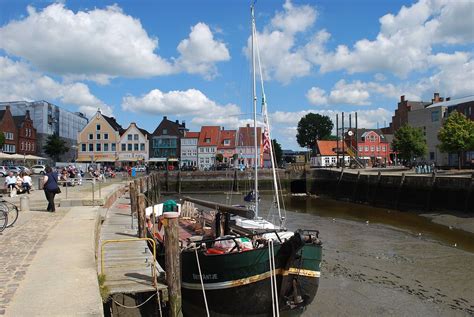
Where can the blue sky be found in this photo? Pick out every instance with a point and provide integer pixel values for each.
(188, 60)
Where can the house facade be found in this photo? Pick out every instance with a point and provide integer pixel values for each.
(26, 143)
(189, 149)
(245, 148)
(133, 147)
(97, 142)
(165, 141)
(326, 155)
(404, 106)
(372, 146)
(226, 146)
(9, 129)
(207, 147)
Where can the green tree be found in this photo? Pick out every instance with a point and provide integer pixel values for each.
(219, 157)
(55, 146)
(2, 140)
(457, 135)
(409, 142)
(313, 127)
(330, 138)
(278, 152)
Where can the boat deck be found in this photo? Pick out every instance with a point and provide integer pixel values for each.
(127, 265)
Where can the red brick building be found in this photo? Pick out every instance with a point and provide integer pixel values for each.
(401, 113)
(26, 143)
(9, 129)
(372, 145)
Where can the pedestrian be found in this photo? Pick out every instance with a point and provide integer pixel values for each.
(50, 187)
(27, 182)
(10, 183)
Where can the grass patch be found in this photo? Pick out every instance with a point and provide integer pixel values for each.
(103, 289)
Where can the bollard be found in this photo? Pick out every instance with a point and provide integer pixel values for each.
(172, 262)
(25, 203)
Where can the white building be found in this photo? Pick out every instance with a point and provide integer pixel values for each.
(189, 149)
(326, 155)
(134, 145)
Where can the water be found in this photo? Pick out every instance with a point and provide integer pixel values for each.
(408, 221)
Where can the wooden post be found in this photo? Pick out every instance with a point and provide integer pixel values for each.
(354, 192)
(142, 185)
(402, 181)
(374, 197)
(172, 263)
(137, 186)
(133, 199)
(141, 216)
(179, 182)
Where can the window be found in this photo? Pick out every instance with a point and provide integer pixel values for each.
(366, 148)
(98, 147)
(135, 137)
(378, 148)
(432, 156)
(384, 148)
(106, 136)
(207, 140)
(83, 147)
(165, 131)
(114, 147)
(91, 147)
(226, 142)
(135, 147)
(8, 135)
(106, 147)
(435, 116)
(129, 147)
(142, 146)
(98, 136)
(22, 147)
(129, 137)
(91, 136)
(124, 147)
(360, 148)
(97, 127)
(372, 148)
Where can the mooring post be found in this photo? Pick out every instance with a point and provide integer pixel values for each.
(142, 185)
(172, 263)
(402, 181)
(137, 186)
(141, 216)
(133, 196)
(167, 185)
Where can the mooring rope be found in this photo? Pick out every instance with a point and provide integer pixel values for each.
(132, 307)
(202, 283)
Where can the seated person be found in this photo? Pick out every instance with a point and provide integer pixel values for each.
(19, 184)
(10, 181)
(27, 182)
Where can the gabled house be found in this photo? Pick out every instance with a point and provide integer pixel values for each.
(97, 142)
(26, 143)
(326, 154)
(207, 147)
(372, 146)
(189, 149)
(133, 146)
(9, 129)
(245, 148)
(226, 146)
(165, 141)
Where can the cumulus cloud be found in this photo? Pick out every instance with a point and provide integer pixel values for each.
(200, 52)
(19, 82)
(190, 102)
(101, 44)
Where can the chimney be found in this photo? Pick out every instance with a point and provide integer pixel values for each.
(183, 124)
(448, 98)
(7, 108)
(177, 122)
(27, 114)
(402, 98)
(165, 118)
(435, 97)
(248, 125)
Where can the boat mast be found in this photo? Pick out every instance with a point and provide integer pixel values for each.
(254, 96)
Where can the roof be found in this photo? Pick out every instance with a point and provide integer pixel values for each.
(211, 133)
(114, 124)
(191, 135)
(245, 136)
(364, 132)
(227, 135)
(174, 128)
(145, 132)
(19, 120)
(2, 113)
(326, 147)
(452, 102)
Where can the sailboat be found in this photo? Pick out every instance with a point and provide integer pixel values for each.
(234, 262)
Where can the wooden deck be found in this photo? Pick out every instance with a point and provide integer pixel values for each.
(127, 265)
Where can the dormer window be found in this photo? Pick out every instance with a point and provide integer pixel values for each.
(207, 140)
(226, 142)
(165, 131)
(97, 127)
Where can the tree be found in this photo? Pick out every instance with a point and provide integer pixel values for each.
(55, 146)
(457, 135)
(313, 127)
(409, 142)
(219, 157)
(278, 152)
(331, 138)
(2, 140)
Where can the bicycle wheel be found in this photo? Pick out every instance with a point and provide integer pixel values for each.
(12, 211)
(3, 220)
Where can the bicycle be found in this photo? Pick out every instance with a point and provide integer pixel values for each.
(3, 220)
(11, 211)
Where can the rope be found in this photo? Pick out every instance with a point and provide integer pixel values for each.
(277, 308)
(202, 283)
(133, 307)
(270, 242)
(159, 302)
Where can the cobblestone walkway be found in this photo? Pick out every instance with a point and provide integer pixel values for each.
(18, 247)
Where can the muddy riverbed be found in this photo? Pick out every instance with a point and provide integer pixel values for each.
(378, 262)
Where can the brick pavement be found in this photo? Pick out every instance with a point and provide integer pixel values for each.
(19, 245)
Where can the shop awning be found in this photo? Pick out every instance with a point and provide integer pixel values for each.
(157, 159)
(173, 160)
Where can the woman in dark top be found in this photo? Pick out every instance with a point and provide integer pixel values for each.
(50, 186)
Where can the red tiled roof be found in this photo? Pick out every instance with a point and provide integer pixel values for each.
(326, 148)
(191, 135)
(227, 135)
(245, 136)
(211, 133)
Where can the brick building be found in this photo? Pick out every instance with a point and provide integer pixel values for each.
(9, 129)
(372, 146)
(226, 145)
(165, 141)
(401, 113)
(26, 143)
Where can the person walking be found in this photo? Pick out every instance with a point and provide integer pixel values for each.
(50, 187)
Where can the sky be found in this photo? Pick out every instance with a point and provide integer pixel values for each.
(189, 60)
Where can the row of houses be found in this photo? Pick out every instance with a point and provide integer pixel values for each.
(105, 141)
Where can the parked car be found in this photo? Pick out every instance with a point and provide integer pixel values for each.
(140, 168)
(38, 169)
(25, 169)
(14, 169)
(3, 171)
(188, 168)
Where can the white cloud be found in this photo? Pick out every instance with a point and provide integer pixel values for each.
(200, 52)
(317, 96)
(191, 102)
(295, 18)
(19, 82)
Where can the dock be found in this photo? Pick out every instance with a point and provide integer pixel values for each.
(126, 261)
